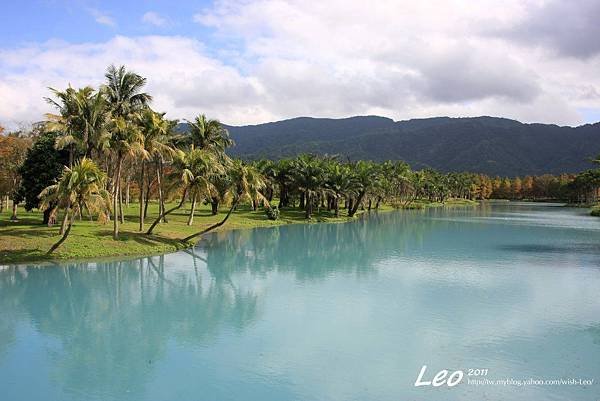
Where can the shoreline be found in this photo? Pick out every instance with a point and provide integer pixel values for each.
(165, 238)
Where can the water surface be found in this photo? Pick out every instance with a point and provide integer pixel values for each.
(319, 312)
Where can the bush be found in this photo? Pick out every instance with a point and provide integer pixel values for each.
(272, 212)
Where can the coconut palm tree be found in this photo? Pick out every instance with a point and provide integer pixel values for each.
(80, 186)
(192, 174)
(82, 120)
(156, 131)
(246, 183)
(123, 91)
(209, 134)
(126, 141)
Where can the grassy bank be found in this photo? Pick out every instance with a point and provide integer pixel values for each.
(27, 240)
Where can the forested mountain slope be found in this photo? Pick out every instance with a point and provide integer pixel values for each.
(490, 145)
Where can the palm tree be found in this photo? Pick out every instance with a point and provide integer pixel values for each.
(123, 91)
(209, 134)
(126, 141)
(365, 176)
(339, 182)
(308, 178)
(155, 130)
(192, 173)
(82, 119)
(80, 186)
(247, 183)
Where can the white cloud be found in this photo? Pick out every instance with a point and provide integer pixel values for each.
(183, 81)
(102, 18)
(279, 59)
(153, 18)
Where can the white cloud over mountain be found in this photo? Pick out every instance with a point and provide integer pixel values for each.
(283, 59)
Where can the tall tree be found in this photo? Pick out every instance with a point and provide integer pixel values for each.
(123, 91)
(156, 146)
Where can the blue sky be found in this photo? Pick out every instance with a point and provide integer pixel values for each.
(86, 21)
(252, 61)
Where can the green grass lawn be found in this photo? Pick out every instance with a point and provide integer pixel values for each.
(27, 240)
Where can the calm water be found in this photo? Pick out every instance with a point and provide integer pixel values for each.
(319, 312)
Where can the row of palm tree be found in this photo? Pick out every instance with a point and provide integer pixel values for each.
(113, 134)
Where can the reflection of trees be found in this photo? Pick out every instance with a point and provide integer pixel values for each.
(313, 251)
(114, 319)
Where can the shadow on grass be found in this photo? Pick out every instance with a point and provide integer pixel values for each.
(14, 256)
(139, 237)
(43, 231)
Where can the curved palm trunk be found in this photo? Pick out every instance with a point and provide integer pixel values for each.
(162, 215)
(192, 211)
(216, 225)
(352, 211)
(65, 235)
(336, 204)
(63, 225)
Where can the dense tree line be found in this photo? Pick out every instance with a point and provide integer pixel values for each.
(104, 147)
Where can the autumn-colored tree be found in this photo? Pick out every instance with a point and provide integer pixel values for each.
(517, 187)
(527, 187)
(13, 151)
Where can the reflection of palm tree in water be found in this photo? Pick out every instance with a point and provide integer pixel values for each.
(115, 320)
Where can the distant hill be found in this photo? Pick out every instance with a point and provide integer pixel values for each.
(491, 145)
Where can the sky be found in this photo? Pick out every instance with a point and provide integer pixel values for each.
(249, 62)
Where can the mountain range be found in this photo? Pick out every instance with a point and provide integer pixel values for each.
(490, 145)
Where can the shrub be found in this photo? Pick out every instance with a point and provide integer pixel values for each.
(272, 212)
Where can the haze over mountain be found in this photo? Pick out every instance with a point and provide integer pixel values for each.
(491, 145)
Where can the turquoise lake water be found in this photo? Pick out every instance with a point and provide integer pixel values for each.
(320, 312)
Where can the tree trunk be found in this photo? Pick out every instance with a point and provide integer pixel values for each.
(2, 204)
(148, 193)
(121, 215)
(192, 210)
(378, 202)
(127, 193)
(14, 211)
(370, 203)
(352, 211)
(219, 224)
(309, 206)
(141, 196)
(65, 235)
(167, 212)
(214, 205)
(302, 200)
(63, 226)
(116, 187)
(336, 205)
(161, 202)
